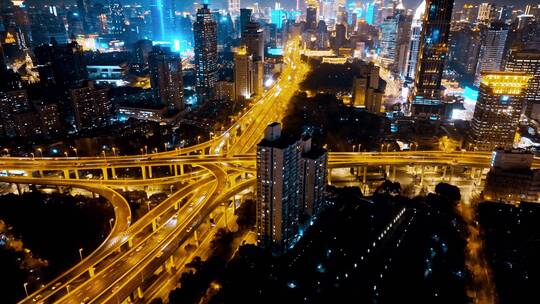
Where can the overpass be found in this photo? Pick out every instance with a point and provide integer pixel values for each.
(139, 254)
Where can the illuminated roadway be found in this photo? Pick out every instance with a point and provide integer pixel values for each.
(218, 169)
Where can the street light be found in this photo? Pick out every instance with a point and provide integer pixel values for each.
(66, 154)
(198, 139)
(40, 152)
(80, 253)
(25, 289)
(33, 156)
(76, 153)
(110, 222)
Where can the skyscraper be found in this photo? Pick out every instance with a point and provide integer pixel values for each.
(234, 8)
(291, 181)
(497, 111)
(253, 39)
(528, 61)
(426, 94)
(166, 78)
(492, 49)
(277, 190)
(311, 18)
(205, 33)
(394, 42)
(485, 13)
(243, 74)
(313, 174)
(416, 31)
(245, 18)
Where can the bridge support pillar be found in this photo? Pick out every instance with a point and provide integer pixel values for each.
(329, 176)
(154, 225)
(91, 271)
(77, 174)
(113, 172)
(105, 173)
(422, 176)
(451, 174)
(175, 170)
(19, 188)
(143, 172)
(171, 261)
(196, 237)
(140, 294)
(66, 174)
(364, 176)
(40, 172)
(130, 242)
(150, 171)
(444, 172)
(394, 173)
(181, 169)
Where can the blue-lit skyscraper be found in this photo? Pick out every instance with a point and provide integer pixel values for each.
(427, 91)
(205, 34)
(277, 15)
(370, 13)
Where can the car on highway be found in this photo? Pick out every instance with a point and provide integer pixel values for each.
(37, 298)
(56, 285)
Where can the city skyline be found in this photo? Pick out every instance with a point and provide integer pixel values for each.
(301, 152)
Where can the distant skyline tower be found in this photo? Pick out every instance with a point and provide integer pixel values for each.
(528, 61)
(253, 39)
(245, 18)
(206, 55)
(416, 31)
(493, 44)
(433, 49)
(234, 8)
(311, 18)
(497, 111)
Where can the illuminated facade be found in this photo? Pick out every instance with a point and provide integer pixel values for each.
(528, 61)
(497, 111)
(492, 49)
(91, 106)
(427, 92)
(205, 32)
(243, 74)
(414, 46)
(277, 190)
